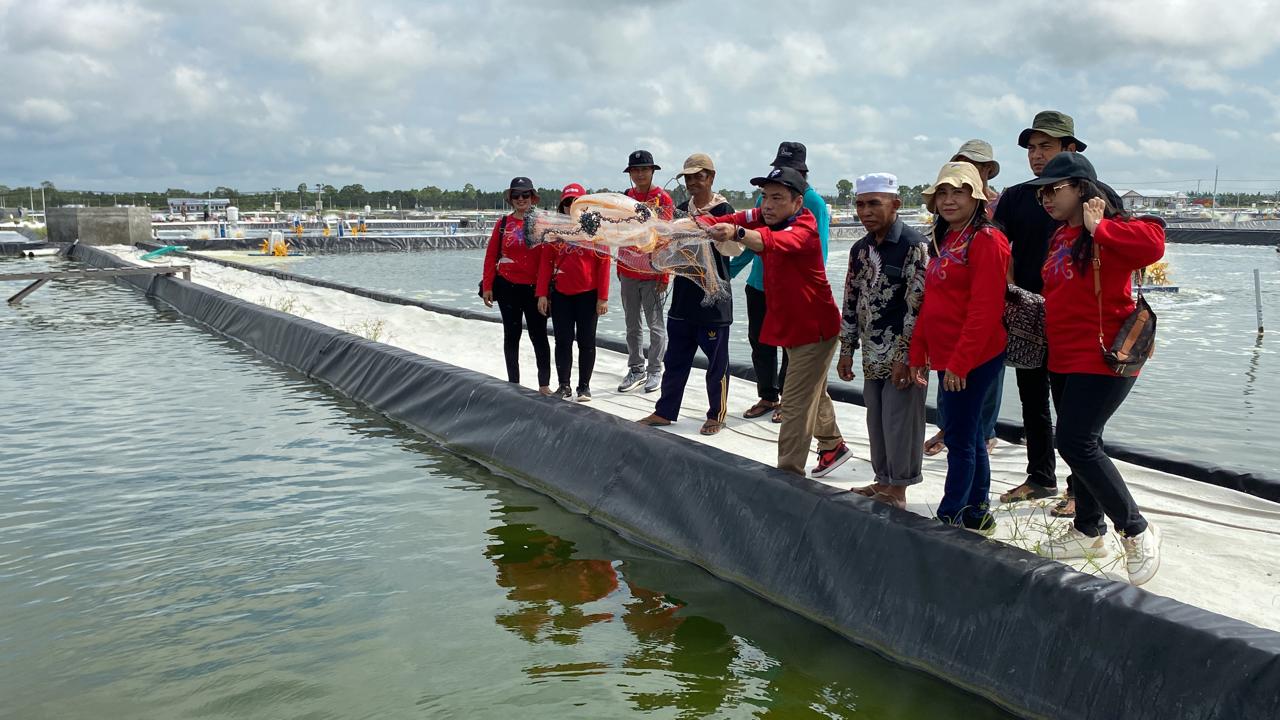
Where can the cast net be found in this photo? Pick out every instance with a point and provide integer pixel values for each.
(638, 236)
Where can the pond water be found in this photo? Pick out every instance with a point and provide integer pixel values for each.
(188, 530)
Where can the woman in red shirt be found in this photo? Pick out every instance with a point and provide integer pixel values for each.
(510, 274)
(960, 334)
(1088, 294)
(573, 285)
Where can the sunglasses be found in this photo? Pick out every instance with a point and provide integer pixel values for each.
(521, 195)
(1045, 193)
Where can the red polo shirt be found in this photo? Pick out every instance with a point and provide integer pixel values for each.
(628, 258)
(799, 306)
(961, 324)
(519, 262)
(575, 270)
(1071, 317)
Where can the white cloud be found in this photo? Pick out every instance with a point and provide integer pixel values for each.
(1194, 74)
(1138, 94)
(1117, 148)
(558, 152)
(42, 110)
(734, 64)
(1117, 114)
(1159, 149)
(120, 93)
(1229, 112)
(78, 27)
(996, 112)
(807, 55)
(1121, 106)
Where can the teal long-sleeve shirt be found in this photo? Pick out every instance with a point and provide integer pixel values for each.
(755, 279)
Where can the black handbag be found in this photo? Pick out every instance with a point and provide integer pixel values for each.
(1136, 341)
(1027, 346)
(502, 227)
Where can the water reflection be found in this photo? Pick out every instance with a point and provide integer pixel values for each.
(677, 657)
(558, 595)
(1251, 375)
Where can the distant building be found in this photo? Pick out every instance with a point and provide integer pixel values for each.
(187, 206)
(1152, 199)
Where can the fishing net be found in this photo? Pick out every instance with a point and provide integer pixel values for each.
(639, 236)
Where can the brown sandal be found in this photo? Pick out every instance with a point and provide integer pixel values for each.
(777, 413)
(934, 445)
(1064, 509)
(868, 491)
(1027, 491)
(760, 408)
(890, 500)
(711, 427)
(654, 420)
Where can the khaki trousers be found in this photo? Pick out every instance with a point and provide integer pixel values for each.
(806, 407)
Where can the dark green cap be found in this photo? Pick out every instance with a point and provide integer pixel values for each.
(1054, 124)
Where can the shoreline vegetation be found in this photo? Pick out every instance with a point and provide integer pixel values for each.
(355, 197)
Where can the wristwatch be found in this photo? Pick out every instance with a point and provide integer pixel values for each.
(742, 233)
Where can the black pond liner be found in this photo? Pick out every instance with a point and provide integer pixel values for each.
(1253, 483)
(1030, 634)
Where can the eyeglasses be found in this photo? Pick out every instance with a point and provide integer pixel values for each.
(521, 195)
(1042, 195)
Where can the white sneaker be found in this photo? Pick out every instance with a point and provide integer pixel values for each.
(1142, 555)
(653, 382)
(1073, 544)
(633, 380)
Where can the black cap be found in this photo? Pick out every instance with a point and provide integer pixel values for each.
(792, 155)
(641, 158)
(785, 176)
(521, 184)
(1066, 166)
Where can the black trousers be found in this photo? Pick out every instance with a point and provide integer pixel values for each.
(684, 340)
(1085, 402)
(519, 308)
(764, 358)
(1037, 424)
(574, 319)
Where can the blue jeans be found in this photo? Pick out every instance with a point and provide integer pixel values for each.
(968, 468)
(990, 407)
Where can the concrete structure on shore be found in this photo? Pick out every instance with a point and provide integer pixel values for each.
(99, 225)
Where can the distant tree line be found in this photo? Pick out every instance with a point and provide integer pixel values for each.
(348, 197)
(355, 197)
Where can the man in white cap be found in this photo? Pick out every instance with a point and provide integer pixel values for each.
(883, 292)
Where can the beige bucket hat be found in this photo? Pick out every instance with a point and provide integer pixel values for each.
(956, 174)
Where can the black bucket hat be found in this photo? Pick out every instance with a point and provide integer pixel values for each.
(520, 184)
(639, 159)
(792, 155)
(1066, 166)
(1054, 124)
(1074, 166)
(785, 176)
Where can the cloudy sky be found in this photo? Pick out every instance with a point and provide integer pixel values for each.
(135, 95)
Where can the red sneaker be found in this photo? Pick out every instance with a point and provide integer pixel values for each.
(829, 460)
